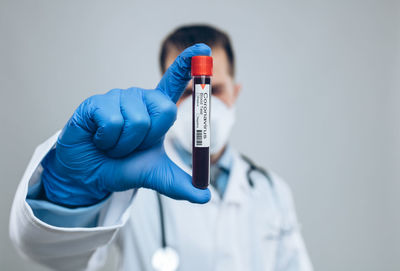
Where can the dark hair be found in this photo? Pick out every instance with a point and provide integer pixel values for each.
(188, 35)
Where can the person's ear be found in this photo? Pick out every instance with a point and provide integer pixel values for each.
(237, 88)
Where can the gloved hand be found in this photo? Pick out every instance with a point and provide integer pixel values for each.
(114, 142)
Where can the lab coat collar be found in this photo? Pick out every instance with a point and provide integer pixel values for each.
(225, 161)
(237, 188)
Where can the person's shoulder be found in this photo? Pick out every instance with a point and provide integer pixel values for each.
(271, 190)
(281, 186)
(268, 181)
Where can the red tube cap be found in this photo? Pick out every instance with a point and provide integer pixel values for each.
(202, 65)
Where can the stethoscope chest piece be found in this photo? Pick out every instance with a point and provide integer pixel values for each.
(165, 259)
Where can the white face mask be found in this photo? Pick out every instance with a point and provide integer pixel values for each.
(222, 120)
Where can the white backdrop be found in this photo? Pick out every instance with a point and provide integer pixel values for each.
(320, 101)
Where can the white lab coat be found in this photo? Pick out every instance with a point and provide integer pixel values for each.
(249, 229)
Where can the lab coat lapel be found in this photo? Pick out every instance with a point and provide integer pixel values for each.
(237, 189)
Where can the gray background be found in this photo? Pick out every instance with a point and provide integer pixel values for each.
(320, 101)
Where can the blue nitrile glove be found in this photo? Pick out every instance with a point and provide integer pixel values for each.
(115, 142)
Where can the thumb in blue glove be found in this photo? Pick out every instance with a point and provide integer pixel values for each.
(115, 142)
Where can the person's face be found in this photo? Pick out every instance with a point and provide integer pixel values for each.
(223, 84)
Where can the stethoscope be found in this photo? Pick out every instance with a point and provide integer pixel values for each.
(166, 258)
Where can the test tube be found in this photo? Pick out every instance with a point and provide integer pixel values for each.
(201, 72)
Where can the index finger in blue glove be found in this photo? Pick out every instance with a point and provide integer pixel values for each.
(98, 118)
(175, 79)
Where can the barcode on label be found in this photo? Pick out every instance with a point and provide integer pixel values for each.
(199, 139)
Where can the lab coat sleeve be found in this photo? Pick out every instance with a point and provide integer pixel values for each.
(292, 254)
(63, 247)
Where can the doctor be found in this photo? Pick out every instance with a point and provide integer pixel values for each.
(98, 182)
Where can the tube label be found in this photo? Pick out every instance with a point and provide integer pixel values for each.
(202, 115)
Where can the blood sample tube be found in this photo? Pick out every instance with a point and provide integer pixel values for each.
(201, 73)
